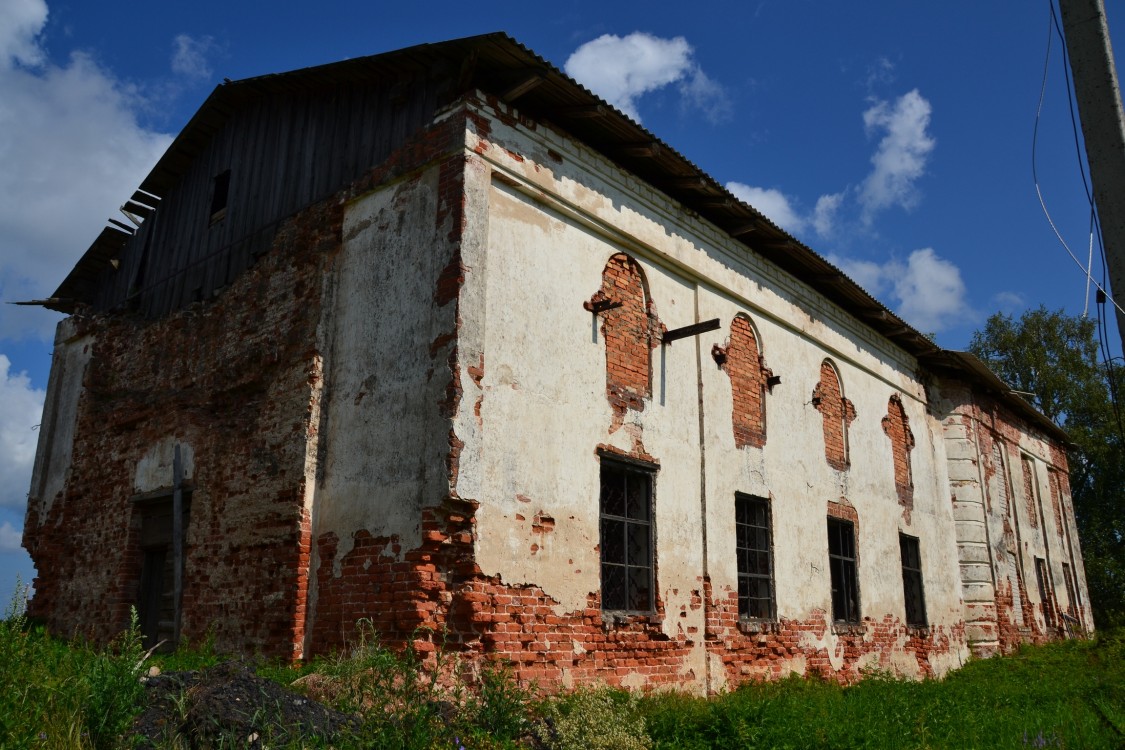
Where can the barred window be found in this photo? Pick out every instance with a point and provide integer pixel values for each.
(842, 565)
(755, 557)
(626, 538)
(912, 590)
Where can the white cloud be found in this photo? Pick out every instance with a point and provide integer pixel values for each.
(901, 156)
(1009, 301)
(931, 292)
(786, 211)
(21, 22)
(776, 206)
(72, 151)
(189, 56)
(928, 289)
(824, 215)
(621, 69)
(23, 409)
(10, 538)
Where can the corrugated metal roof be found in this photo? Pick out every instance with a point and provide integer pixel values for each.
(498, 64)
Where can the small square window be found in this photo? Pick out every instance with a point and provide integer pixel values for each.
(912, 591)
(754, 548)
(626, 538)
(842, 566)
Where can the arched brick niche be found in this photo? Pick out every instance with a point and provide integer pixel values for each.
(742, 361)
(631, 331)
(896, 425)
(837, 413)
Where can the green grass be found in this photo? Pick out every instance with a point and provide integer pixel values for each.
(55, 694)
(1066, 695)
(59, 695)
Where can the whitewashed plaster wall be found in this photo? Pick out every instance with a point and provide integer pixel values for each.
(555, 212)
(383, 441)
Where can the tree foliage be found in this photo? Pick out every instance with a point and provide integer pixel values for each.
(1052, 358)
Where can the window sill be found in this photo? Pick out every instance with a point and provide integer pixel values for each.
(617, 619)
(849, 628)
(757, 627)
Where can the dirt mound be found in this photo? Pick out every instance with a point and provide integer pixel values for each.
(229, 705)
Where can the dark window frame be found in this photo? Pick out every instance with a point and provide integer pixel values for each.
(754, 551)
(843, 565)
(627, 539)
(913, 588)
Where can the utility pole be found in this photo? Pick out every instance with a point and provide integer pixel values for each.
(1103, 129)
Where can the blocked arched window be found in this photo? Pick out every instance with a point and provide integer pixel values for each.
(742, 361)
(896, 425)
(630, 330)
(837, 412)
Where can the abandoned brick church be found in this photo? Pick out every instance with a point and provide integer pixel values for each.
(439, 339)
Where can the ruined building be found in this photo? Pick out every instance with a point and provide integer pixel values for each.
(440, 339)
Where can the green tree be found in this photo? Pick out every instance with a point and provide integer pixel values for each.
(1052, 358)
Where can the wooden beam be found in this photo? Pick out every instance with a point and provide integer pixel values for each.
(533, 79)
(693, 330)
(741, 230)
(585, 110)
(686, 183)
(644, 150)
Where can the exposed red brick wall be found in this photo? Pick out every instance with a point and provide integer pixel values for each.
(998, 433)
(896, 425)
(436, 594)
(767, 650)
(743, 363)
(235, 379)
(837, 414)
(631, 331)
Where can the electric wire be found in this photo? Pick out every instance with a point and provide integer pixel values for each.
(1095, 231)
(1052, 27)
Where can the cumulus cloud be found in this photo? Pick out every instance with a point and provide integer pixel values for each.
(21, 22)
(189, 56)
(898, 162)
(901, 156)
(73, 151)
(622, 69)
(786, 211)
(824, 216)
(928, 289)
(23, 407)
(776, 206)
(10, 538)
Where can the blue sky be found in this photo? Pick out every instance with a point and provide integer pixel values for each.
(893, 137)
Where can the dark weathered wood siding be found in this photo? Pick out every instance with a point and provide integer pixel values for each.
(284, 152)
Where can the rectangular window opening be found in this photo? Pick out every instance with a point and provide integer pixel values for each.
(1043, 578)
(626, 538)
(754, 549)
(1071, 590)
(219, 194)
(913, 592)
(842, 565)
